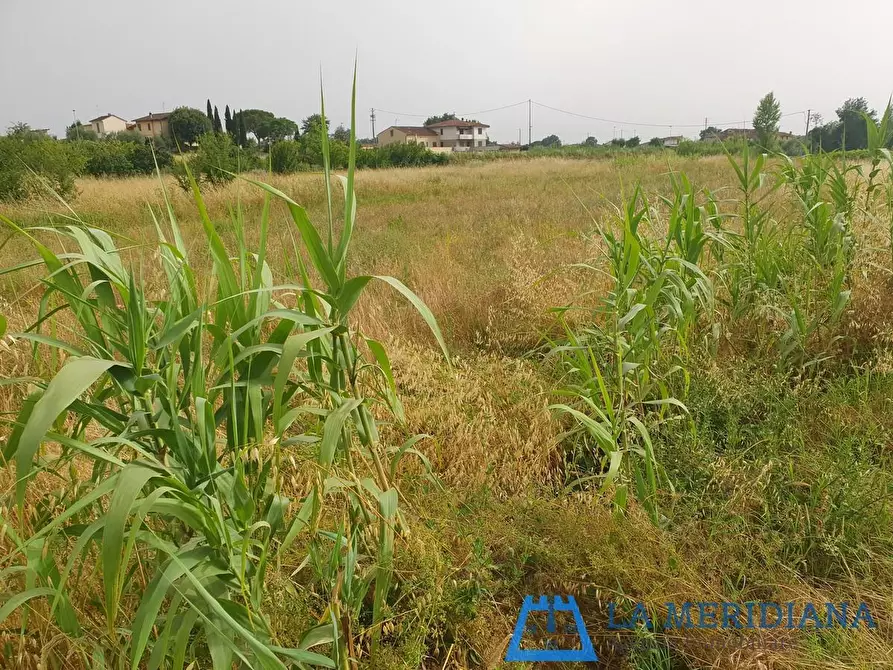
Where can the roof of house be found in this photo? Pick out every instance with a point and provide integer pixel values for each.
(411, 130)
(107, 116)
(673, 137)
(456, 122)
(157, 116)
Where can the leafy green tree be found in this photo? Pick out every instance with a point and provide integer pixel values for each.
(228, 121)
(216, 160)
(852, 129)
(551, 141)
(56, 163)
(312, 124)
(633, 142)
(218, 128)
(341, 134)
(209, 113)
(590, 142)
(254, 119)
(655, 142)
(709, 133)
(618, 142)
(188, 124)
(77, 131)
(449, 116)
(19, 129)
(766, 120)
(275, 130)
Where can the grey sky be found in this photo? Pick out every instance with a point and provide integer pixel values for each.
(650, 61)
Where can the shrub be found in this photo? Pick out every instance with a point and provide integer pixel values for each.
(54, 164)
(216, 161)
(285, 157)
(110, 158)
(120, 159)
(399, 155)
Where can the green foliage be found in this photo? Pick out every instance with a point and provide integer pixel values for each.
(399, 155)
(31, 163)
(590, 142)
(766, 120)
(126, 136)
(275, 129)
(709, 133)
(216, 160)
(550, 141)
(620, 366)
(189, 409)
(655, 142)
(252, 120)
(188, 124)
(113, 158)
(633, 142)
(285, 157)
(76, 131)
(448, 116)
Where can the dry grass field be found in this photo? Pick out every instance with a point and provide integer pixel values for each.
(781, 475)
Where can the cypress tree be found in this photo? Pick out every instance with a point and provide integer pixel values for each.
(210, 113)
(217, 127)
(228, 121)
(243, 136)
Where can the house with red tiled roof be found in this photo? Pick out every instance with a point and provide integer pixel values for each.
(454, 135)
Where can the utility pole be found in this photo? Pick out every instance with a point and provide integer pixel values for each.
(372, 116)
(808, 115)
(529, 123)
(77, 126)
(519, 137)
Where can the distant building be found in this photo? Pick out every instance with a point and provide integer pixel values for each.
(453, 135)
(672, 141)
(407, 135)
(108, 123)
(153, 125)
(749, 134)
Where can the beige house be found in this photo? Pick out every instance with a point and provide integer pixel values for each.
(109, 123)
(407, 135)
(453, 135)
(153, 125)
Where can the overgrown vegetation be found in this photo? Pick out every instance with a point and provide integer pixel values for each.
(718, 372)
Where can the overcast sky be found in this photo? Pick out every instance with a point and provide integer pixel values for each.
(640, 62)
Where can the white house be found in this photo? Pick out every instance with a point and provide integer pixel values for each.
(109, 123)
(455, 135)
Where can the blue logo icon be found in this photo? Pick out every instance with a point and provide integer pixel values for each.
(544, 604)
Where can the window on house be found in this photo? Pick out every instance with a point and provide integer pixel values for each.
(480, 130)
(149, 127)
(392, 133)
(139, 126)
(479, 143)
(441, 131)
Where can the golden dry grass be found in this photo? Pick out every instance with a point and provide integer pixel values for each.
(480, 244)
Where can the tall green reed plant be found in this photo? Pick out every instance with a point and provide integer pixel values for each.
(619, 366)
(186, 403)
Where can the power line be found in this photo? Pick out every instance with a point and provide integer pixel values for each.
(482, 111)
(585, 116)
(650, 125)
